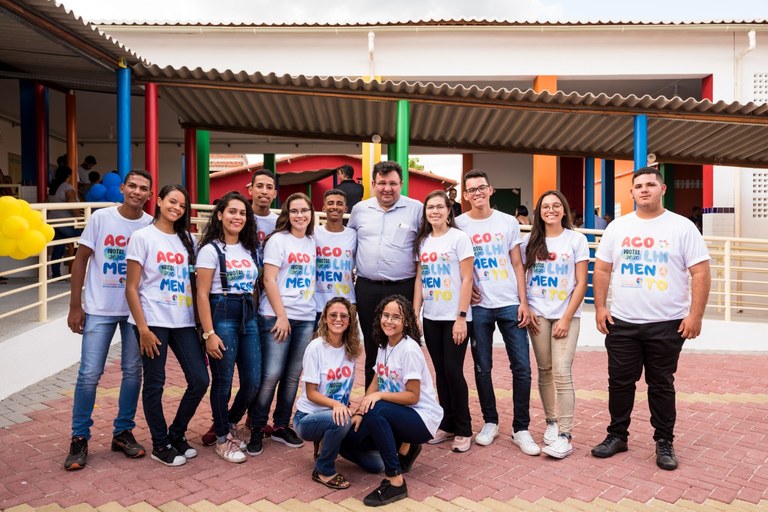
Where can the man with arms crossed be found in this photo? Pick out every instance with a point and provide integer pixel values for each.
(650, 252)
(499, 297)
(386, 226)
(103, 243)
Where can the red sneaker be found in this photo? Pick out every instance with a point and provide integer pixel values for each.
(209, 438)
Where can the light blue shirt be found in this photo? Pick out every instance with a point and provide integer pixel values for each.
(385, 238)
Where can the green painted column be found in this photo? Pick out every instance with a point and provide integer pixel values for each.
(271, 164)
(403, 139)
(392, 151)
(203, 166)
(668, 171)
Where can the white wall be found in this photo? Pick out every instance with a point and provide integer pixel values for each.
(508, 170)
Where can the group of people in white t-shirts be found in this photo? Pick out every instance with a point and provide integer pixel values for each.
(274, 298)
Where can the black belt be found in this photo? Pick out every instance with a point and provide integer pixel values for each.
(386, 282)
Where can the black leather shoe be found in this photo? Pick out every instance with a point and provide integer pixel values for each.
(665, 455)
(610, 447)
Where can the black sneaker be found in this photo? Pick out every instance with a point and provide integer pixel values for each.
(609, 447)
(168, 456)
(183, 447)
(287, 436)
(665, 455)
(407, 460)
(256, 443)
(386, 493)
(126, 443)
(78, 453)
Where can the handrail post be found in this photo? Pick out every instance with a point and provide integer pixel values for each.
(727, 270)
(42, 279)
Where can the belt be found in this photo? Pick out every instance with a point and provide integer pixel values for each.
(387, 282)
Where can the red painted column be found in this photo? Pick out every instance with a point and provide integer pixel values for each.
(707, 175)
(151, 141)
(41, 144)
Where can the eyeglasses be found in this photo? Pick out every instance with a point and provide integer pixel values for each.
(303, 211)
(555, 207)
(434, 207)
(390, 184)
(391, 318)
(482, 189)
(339, 316)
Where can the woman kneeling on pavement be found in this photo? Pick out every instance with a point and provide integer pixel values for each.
(322, 410)
(399, 411)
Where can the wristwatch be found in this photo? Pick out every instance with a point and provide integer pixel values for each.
(207, 335)
(463, 314)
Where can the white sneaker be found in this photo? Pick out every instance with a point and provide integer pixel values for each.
(526, 443)
(487, 434)
(461, 444)
(229, 450)
(441, 436)
(560, 449)
(550, 435)
(235, 437)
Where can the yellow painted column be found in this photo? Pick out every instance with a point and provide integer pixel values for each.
(371, 156)
(544, 166)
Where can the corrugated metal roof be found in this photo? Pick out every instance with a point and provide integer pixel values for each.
(465, 117)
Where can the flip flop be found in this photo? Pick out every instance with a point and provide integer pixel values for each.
(338, 481)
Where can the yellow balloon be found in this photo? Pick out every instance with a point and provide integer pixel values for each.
(24, 205)
(9, 206)
(34, 217)
(15, 226)
(7, 246)
(32, 242)
(18, 254)
(47, 232)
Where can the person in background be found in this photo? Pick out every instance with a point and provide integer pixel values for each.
(696, 217)
(89, 162)
(348, 185)
(455, 205)
(608, 218)
(61, 191)
(578, 220)
(600, 223)
(521, 214)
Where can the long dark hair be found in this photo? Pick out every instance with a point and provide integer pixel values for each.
(537, 243)
(410, 325)
(350, 339)
(214, 230)
(180, 225)
(425, 228)
(283, 222)
(61, 175)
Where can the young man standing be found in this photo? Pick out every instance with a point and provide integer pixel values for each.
(103, 243)
(336, 249)
(651, 252)
(263, 192)
(499, 297)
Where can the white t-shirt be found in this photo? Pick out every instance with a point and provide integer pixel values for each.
(165, 289)
(295, 258)
(551, 283)
(335, 261)
(331, 370)
(650, 259)
(241, 269)
(440, 259)
(107, 234)
(405, 361)
(264, 226)
(492, 239)
(60, 197)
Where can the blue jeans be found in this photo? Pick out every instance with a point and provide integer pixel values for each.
(58, 250)
(516, 343)
(281, 364)
(234, 320)
(189, 352)
(97, 335)
(385, 428)
(319, 426)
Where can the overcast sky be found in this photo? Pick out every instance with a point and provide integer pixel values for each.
(271, 11)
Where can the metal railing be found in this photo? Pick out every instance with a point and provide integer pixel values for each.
(739, 267)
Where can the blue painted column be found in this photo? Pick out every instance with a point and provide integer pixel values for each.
(608, 188)
(589, 217)
(641, 141)
(123, 119)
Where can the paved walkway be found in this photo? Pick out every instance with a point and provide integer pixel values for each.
(722, 443)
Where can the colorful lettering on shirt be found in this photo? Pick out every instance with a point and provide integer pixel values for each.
(387, 379)
(491, 257)
(643, 263)
(176, 276)
(550, 278)
(334, 270)
(114, 260)
(436, 276)
(301, 274)
(339, 383)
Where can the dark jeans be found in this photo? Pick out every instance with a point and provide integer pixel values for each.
(368, 295)
(385, 428)
(448, 360)
(189, 352)
(632, 347)
(234, 320)
(319, 426)
(62, 233)
(481, 329)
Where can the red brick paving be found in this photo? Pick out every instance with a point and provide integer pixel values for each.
(723, 451)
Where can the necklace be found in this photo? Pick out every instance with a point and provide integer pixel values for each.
(387, 354)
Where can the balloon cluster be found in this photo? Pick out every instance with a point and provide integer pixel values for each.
(23, 232)
(107, 190)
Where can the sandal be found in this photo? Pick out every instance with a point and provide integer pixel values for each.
(337, 482)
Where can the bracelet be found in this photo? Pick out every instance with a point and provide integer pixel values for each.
(358, 414)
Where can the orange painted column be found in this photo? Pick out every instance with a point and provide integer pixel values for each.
(544, 166)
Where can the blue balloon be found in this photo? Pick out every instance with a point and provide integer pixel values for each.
(97, 193)
(114, 195)
(111, 179)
